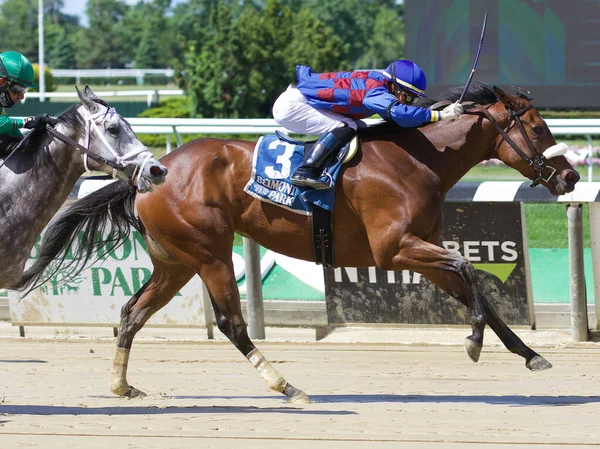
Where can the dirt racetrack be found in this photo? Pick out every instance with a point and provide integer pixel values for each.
(54, 394)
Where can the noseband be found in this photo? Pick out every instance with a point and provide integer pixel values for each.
(540, 160)
(120, 162)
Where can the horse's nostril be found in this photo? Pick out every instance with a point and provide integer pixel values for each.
(156, 170)
(572, 176)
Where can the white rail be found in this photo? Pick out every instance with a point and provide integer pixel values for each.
(587, 128)
(178, 126)
(138, 74)
(152, 96)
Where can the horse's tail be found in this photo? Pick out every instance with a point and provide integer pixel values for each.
(96, 224)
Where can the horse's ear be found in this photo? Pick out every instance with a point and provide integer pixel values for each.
(504, 98)
(90, 94)
(523, 93)
(86, 100)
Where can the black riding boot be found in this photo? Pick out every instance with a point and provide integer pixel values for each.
(309, 173)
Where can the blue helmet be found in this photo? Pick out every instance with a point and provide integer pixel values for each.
(408, 75)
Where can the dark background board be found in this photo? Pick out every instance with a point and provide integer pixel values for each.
(488, 234)
(550, 47)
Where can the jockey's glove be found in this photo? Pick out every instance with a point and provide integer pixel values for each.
(452, 111)
(39, 122)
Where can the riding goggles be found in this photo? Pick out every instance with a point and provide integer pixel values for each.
(17, 89)
(409, 97)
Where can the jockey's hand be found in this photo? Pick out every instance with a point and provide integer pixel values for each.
(452, 111)
(39, 122)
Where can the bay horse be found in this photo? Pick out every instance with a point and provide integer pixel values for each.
(388, 213)
(37, 179)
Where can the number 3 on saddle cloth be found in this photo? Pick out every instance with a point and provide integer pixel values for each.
(276, 157)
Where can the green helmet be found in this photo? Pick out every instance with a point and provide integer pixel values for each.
(16, 68)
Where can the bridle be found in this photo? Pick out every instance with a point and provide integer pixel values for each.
(539, 162)
(91, 122)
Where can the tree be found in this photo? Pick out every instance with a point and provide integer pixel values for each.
(353, 21)
(212, 66)
(147, 54)
(384, 46)
(264, 39)
(18, 22)
(101, 45)
(60, 54)
(239, 67)
(148, 40)
(316, 45)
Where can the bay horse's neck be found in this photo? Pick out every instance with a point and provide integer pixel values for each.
(33, 187)
(461, 145)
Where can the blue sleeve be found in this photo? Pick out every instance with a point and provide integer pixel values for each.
(379, 101)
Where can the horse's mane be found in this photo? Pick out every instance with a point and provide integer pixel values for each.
(70, 116)
(37, 139)
(478, 93)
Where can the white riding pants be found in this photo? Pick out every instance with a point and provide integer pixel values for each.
(292, 111)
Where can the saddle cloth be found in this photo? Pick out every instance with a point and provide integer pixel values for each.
(275, 160)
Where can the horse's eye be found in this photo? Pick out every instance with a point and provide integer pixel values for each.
(538, 130)
(113, 129)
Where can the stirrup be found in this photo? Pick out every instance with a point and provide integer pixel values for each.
(309, 177)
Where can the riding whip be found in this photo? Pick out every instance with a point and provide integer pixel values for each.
(476, 59)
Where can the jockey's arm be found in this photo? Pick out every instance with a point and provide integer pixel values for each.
(10, 126)
(389, 107)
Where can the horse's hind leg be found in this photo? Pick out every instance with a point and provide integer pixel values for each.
(452, 273)
(225, 297)
(163, 285)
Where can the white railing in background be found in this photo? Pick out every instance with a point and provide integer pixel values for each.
(177, 126)
(587, 128)
(152, 96)
(138, 74)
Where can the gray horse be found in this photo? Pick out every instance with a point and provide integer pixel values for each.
(37, 179)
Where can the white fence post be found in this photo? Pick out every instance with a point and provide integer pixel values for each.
(594, 213)
(256, 315)
(579, 320)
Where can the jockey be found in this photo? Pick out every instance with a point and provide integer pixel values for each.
(16, 76)
(331, 103)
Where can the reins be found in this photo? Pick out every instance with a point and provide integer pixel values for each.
(120, 162)
(539, 161)
(66, 139)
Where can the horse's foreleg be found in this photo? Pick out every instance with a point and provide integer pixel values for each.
(452, 273)
(163, 285)
(225, 297)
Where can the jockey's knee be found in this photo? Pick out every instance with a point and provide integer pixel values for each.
(348, 122)
(283, 108)
(279, 112)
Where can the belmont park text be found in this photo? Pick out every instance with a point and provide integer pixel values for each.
(124, 268)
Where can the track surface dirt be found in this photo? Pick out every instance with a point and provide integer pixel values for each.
(54, 394)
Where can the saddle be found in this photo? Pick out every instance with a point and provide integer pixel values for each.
(307, 144)
(275, 158)
(322, 227)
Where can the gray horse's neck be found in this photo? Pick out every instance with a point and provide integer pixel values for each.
(32, 189)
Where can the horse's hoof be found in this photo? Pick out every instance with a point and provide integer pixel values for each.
(473, 349)
(538, 363)
(134, 393)
(300, 398)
